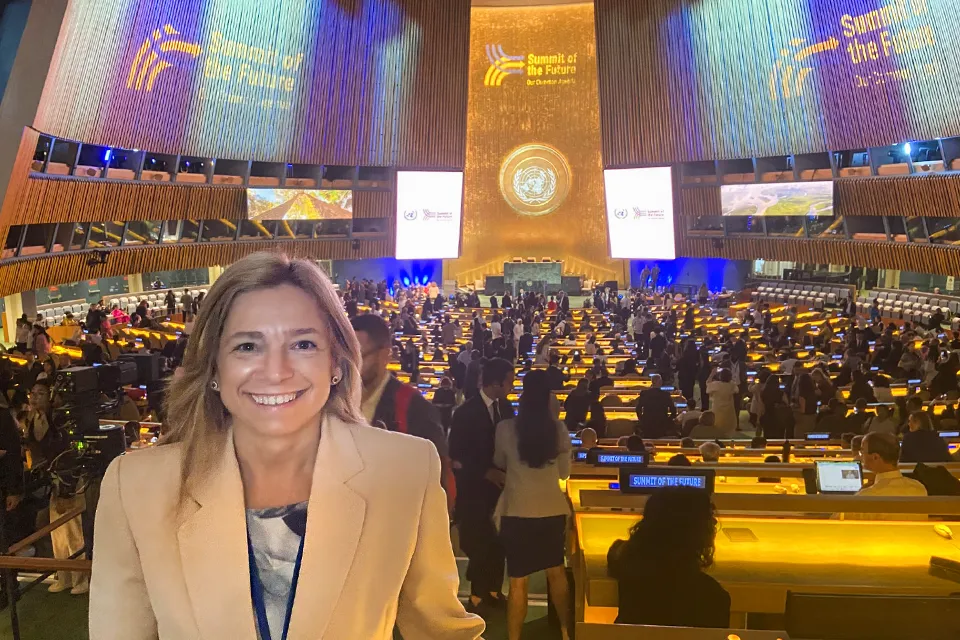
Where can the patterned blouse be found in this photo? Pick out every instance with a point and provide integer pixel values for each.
(275, 536)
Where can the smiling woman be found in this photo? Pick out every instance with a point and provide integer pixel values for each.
(271, 489)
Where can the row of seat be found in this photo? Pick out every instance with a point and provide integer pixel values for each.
(113, 173)
(816, 296)
(897, 169)
(908, 305)
(55, 313)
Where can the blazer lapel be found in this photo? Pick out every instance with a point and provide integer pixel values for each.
(334, 525)
(213, 551)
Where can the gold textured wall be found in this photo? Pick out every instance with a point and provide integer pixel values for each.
(550, 102)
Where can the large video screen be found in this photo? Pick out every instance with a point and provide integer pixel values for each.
(429, 205)
(777, 199)
(640, 213)
(688, 80)
(302, 81)
(299, 204)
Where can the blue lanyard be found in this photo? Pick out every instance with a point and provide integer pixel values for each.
(256, 588)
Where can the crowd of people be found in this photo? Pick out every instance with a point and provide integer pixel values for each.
(767, 374)
(33, 429)
(507, 465)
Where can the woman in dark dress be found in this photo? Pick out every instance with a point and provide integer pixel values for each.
(687, 367)
(706, 368)
(660, 569)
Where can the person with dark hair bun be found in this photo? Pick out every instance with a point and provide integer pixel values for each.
(660, 569)
(534, 449)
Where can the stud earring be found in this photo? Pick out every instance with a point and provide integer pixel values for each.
(215, 385)
(335, 379)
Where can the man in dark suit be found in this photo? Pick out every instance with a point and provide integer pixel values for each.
(656, 411)
(526, 342)
(479, 482)
(564, 303)
(388, 403)
(556, 378)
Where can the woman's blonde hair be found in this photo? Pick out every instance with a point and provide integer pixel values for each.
(196, 416)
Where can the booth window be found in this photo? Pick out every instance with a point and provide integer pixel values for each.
(867, 228)
(898, 232)
(141, 232)
(706, 225)
(334, 228)
(190, 231)
(825, 227)
(13, 241)
(37, 239)
(790, 226)
(255, 230)
(171, 232)
(219, 231)
(944, 230)
(744, 225)
(63, 237)
(916, 229)
(80, 233)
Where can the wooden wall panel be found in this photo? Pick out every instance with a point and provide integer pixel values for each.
(50, 199)
(923, 195)
(18, 183)
(352, 82)
(921, 258)
(700, 201)
(16, 276)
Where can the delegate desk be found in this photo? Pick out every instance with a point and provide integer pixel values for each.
(759, 558)
(787, 483)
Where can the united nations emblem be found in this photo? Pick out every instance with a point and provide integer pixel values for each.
(534, 179)
(535, 185)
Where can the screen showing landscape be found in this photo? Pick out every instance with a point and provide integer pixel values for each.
(778, 199)
(299, 204)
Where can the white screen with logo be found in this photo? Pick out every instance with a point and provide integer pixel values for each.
(640, 213)
(839, 477)
(428, 214)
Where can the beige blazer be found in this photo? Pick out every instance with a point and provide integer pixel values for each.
(377, 549)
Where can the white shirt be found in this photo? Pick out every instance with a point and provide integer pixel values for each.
(369, 406)
(495, 328)
(489, 402)
(876, 425)
(890, 483)
(517, 330)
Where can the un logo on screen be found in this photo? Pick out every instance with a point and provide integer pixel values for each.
(620, 213)
(410, 215)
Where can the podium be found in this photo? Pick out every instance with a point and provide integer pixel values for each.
(542, 277)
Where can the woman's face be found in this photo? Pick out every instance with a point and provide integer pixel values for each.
(275, 362)
(913, 423)
(39, 397)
